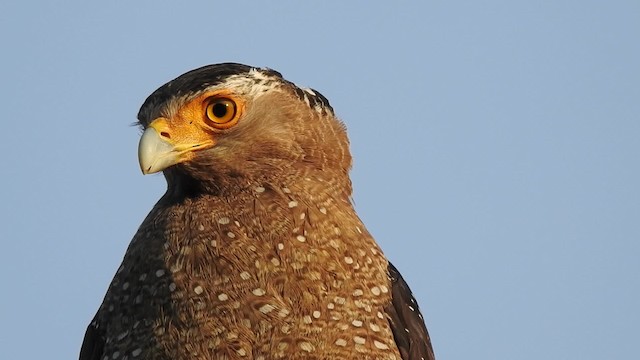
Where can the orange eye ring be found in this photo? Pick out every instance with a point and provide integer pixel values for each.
(221, 111)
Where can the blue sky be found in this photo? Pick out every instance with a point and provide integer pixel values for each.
(496, 149)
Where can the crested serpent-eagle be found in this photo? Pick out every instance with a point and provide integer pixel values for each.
(255, 250)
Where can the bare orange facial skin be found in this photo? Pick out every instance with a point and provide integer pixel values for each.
(206, 111)
(195, 124)
(169, 141)
(196, 120)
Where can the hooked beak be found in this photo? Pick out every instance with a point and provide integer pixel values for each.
(158, 149)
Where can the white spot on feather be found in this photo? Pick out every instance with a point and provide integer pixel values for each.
(306, 346)
(266, 308)
(380, 345)
(258, 292)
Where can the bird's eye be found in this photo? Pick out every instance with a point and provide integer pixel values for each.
(221, 111)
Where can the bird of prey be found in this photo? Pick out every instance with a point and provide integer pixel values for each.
(255, 250)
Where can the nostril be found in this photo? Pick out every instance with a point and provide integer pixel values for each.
(165, 134)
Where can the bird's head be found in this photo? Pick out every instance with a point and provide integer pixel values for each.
(227, 124)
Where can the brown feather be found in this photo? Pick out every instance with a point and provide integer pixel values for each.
(255, 250)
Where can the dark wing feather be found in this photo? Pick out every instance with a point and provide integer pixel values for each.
(93, 343)
(407, 324)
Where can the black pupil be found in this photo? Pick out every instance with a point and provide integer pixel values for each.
(219, 110)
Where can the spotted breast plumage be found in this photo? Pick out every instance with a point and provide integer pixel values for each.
(255, 250)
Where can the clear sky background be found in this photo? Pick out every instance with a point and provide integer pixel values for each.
(496, 148)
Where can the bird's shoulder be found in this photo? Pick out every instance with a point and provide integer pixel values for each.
(93, 343)
(409, 330)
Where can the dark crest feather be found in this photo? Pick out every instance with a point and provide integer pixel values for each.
(211, 75)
